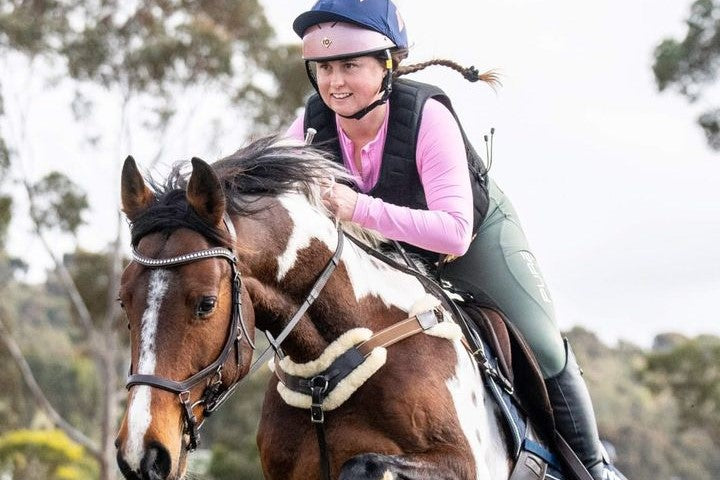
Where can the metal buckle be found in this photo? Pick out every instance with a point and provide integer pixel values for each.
(495, 373)
(190, 421)
(318, 387)
(427, 319)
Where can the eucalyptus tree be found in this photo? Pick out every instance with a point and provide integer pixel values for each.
(690, 370)
(147, 57)
(690, 65)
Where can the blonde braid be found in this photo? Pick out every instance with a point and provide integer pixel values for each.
(470, 74)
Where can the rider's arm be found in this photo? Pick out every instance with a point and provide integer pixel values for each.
(446, 226)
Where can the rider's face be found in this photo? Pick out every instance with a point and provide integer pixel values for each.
(349, 84)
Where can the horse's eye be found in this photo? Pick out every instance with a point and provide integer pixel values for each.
(206, 306)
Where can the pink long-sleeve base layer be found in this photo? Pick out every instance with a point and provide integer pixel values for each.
(446, 226)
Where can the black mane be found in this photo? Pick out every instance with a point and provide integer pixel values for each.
(269, 166)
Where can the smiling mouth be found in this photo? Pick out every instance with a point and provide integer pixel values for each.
(340, 96)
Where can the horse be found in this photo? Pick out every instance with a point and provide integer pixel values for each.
(246, 244)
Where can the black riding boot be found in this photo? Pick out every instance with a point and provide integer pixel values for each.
(575, 418)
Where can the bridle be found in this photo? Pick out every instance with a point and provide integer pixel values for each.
(214, 394)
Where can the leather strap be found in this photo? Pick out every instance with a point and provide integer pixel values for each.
(401, 330)
(309, 300)
(334, 374)
(529, 466)
(576, 467)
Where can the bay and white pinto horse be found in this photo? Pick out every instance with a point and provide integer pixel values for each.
(245, 243)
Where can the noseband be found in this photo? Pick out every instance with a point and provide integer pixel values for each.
(214, 394)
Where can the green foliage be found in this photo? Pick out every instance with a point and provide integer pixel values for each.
(44, 454)
(39, 321)
(90, 271)
(5, 200)
(154, 46)
(15, 410)
(642, 424)
(5, 216)
(231, 431)
(691, 372)
(229, 464)
(33, 27)
(290, 73)
(4, 157)
(710, 123)
(692, 63)
(59, 203)
(70, 383)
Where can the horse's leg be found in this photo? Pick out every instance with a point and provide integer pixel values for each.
(440, 464)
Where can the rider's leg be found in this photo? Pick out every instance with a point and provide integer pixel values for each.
(500, 267)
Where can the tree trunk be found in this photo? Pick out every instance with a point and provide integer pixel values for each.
(108, 468)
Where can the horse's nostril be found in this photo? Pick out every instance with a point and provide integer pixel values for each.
(125, 469)
(156, 462)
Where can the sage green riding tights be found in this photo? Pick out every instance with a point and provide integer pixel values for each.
(499, 268)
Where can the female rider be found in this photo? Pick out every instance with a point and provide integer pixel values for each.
(420, 182)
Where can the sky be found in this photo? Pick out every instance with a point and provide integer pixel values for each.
(615, 186)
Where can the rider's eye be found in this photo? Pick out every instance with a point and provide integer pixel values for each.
(206, 306)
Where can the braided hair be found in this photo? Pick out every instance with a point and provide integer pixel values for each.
(470, 73)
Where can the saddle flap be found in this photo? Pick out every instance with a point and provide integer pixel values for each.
(517, 362)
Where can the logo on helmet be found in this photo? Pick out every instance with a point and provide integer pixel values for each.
(326, 42)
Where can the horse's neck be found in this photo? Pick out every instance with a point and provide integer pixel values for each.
(362, 292)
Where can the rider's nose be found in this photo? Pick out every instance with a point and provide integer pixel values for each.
(336, 78)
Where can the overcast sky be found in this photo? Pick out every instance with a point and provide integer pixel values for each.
(616, 189)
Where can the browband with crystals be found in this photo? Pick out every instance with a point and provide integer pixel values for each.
(193, 256)
(185, 258)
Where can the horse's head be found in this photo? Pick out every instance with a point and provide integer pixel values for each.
(191, 321)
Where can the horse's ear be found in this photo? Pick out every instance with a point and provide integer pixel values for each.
(135, 195)
(205, 194)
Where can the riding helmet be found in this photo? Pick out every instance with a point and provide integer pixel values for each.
(341, 28)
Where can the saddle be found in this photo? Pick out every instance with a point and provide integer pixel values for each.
(515, 360)
(513, 377)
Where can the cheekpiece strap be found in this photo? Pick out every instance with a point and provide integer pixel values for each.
(230, 228)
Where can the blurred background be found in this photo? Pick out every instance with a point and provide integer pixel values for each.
(607, 131)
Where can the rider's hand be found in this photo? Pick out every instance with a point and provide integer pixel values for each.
(340, 200)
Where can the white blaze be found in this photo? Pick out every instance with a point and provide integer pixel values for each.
(477, 418)
(139, 408)
(368, 276)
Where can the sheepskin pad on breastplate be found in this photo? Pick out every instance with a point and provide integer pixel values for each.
(376, 359)
(347, 386)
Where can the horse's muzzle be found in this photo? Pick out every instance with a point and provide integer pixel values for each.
(155, 464)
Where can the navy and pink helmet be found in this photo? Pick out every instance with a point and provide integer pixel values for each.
(334, 29)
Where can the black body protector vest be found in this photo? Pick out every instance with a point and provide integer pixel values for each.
(399, 181)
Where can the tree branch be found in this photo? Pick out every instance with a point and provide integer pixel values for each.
(84, 314)
(37, 393)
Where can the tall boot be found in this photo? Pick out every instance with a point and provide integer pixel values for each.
(575, 418)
